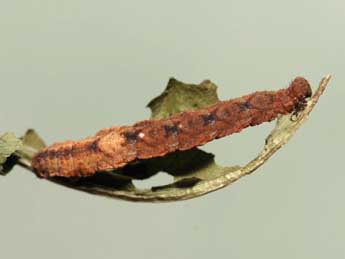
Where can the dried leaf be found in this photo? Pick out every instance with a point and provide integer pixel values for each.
(9, 144)
(32, 142)
(178, 97)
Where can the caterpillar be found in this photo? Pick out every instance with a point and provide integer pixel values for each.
(117, 146)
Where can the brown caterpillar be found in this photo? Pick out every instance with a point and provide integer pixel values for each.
(117, 146)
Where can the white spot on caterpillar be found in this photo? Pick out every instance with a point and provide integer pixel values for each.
(173, 145)
(141, 135)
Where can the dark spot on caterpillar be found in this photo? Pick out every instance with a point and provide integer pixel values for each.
(170, 129)
(244, 106)
(47, 154)
(130, 136)
(92, 146)
(53, 153)
(208, 118)
(76, 150)
(190, 123)
(42, 156)
(63, 153)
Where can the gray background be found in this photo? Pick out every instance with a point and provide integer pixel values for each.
(69, 68)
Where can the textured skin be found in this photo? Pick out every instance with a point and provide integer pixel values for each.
(117, 146)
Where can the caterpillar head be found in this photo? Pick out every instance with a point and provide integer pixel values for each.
(300, 89)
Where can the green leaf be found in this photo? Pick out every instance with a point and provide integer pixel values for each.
(32, 143)
(178, 97)
(9, 144)
(33, 140)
